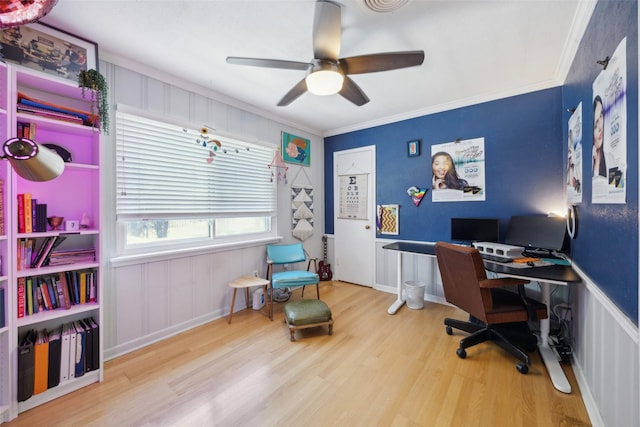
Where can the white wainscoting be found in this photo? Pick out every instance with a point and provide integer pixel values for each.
(605, 340)
(157, 299)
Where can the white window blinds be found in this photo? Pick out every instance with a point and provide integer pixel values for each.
(162, 171)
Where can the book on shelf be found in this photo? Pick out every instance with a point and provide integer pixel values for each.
(72, 256)
(47, 109)
(94, 357)
(29, 296)
(27, 212)
(2, 231)
(62, 279)
(41, 217)
(21, 296)
(25, 253)
(41, 362)
(27, 130)
(53, 294)
(3, 320)
(80, 349)
(26, 362)
(42, 257)
(20, 213)
(55, 348)
(64, 352)
(73, 343)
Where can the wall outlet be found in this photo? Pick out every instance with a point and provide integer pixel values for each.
(255, 273)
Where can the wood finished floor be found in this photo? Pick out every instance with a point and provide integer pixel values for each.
(376, 370)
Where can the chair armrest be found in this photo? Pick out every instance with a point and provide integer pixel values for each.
(502, 282)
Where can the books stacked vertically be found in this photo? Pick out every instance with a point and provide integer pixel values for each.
(32, 216)
(47, 359)
(27, 130)
(27, 104)
(72, 256)
(62, 290)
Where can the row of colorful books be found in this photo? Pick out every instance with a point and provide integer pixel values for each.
(56, 291)
(32, 216)
(47, 359)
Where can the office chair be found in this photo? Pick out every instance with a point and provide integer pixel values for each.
(289, 254)
(493, 310)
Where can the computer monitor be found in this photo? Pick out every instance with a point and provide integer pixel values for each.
(537, 233)
(469, 230)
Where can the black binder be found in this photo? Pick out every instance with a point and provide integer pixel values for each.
(55, 348)
(93, 353)
(88, 345)
(26, 363)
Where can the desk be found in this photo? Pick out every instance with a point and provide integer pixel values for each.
(546, 276)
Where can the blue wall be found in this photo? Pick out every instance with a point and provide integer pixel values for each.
(606, 247)
(525, 143)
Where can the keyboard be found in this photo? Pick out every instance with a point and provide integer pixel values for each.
(495, 258)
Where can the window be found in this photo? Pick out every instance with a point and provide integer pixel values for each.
(181, 188)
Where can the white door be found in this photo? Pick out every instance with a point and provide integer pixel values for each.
(354, 216)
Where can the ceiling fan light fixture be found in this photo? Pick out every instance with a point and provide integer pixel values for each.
(324, 78)
(14, 13)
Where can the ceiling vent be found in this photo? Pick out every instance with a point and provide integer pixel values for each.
(384, 6)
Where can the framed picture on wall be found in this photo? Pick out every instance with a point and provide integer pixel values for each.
(296, 149)
(49, 50)
(413, 148)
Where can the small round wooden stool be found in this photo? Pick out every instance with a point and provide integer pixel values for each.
(246, 282)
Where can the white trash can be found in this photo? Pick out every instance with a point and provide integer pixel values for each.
(414, 291)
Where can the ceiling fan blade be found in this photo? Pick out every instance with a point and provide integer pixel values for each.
(351, 91)
(327, 30)
(381, 62)
(294, 93)
(268, 63)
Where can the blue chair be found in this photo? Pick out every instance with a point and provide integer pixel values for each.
(290, 254)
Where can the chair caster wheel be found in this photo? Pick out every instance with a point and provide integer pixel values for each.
(461, 353)
(522, 367)
(449, 330)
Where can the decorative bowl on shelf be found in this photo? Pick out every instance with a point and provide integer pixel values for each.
(55, 222)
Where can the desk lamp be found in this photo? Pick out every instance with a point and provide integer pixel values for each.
(32, 161)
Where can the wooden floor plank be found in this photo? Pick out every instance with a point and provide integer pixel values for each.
(375, 370)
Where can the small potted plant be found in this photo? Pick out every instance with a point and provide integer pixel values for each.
(95, 82)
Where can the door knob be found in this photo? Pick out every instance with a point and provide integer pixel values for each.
(367, 227)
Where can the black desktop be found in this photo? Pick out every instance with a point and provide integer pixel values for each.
(469, 230)
(540, 235)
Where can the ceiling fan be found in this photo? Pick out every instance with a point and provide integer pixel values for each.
(327, 73)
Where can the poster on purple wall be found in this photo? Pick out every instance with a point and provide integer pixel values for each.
(574, 157)
(609, 149)
(458, 171)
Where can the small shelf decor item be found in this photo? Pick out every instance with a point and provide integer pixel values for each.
(94, 81)
(413, 148)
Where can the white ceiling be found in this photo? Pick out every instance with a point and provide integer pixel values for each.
(475, 50)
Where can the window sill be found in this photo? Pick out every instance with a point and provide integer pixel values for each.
(125, 260)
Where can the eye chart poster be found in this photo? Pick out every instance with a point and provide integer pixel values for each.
(353, 196)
